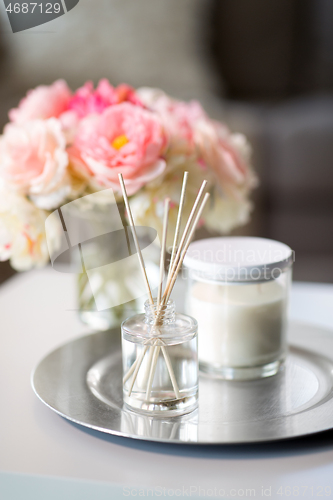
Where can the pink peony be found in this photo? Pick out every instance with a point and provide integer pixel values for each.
(226, 154)
(179, 118)
(126, 139)
(126, 93)
(33, 161)
(87, 101)
(42, 102)
(192, 132)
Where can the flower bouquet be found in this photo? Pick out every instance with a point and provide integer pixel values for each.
(60, 146)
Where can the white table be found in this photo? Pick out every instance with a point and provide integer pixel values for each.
(37, 311)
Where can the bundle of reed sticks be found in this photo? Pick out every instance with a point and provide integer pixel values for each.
(179, 250)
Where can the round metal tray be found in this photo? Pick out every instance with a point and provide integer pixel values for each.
(82, 381)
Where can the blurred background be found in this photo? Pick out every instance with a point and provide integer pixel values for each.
(263, 67)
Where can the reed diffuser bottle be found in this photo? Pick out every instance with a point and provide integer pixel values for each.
(160, 361)
(160, 347)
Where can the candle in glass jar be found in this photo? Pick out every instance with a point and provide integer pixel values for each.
(239, 325)
(240, 307)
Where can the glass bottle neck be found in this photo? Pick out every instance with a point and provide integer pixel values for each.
(161, 315)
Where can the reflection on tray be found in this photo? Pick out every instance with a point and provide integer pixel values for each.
(184, 428)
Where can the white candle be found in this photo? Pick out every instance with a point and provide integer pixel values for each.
(238, 292)
(239, 325)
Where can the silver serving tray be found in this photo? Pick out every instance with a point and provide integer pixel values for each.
(82, 381)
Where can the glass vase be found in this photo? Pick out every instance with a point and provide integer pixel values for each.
(111, 286)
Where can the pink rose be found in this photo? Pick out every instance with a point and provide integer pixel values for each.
(126, 93)
(191, 132)
(88, 101)
(42, 102)
(227, 154)
(33, 161)
(179, 118)
(126, 139)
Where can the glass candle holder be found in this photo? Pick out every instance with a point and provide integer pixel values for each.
(238, 292)
(160, 361)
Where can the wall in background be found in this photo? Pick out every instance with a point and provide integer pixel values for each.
(264, 67)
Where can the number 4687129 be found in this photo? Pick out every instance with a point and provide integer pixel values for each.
(29, 8)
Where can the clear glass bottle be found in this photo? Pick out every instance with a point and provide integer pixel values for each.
(160, 362)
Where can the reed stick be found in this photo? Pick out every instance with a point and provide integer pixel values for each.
(162, 257)
(149, 362)
(179, 220)
(171, 372)
(137, 368)
(156, 351)
(186, 230)
(168, 289)
(153, 370)
(136, 241)
(181, 244)
(130, 371)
